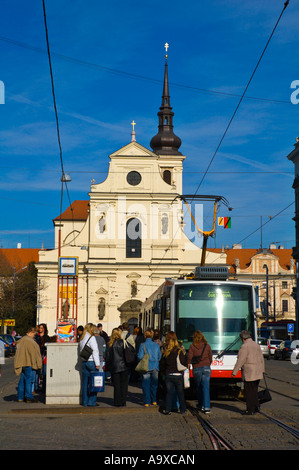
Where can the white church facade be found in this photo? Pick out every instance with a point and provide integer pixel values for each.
(126, 238)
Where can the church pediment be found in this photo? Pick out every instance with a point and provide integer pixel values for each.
(133, 149)
(101, 291)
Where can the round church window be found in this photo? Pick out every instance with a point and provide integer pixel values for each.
(133, 178)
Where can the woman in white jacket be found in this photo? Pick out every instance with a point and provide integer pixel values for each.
(92, 364)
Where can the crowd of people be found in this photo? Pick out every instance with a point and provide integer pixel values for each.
(117, 357)
(163, 380)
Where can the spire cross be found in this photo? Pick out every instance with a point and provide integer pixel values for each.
(133, 124)
(166, 47)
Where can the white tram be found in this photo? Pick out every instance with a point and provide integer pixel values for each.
(219, 308)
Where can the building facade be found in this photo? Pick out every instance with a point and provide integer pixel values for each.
(127, 237)
(272, 271)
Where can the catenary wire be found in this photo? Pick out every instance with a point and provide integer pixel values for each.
(235, 112)
(242, 96)
(135, 76)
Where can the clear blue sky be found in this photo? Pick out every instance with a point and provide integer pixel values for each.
(98, 51)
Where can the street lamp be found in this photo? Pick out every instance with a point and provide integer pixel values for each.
(265, 266)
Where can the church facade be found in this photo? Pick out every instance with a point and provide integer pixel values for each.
(127, 237)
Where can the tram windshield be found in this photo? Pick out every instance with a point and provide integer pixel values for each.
(220, 312)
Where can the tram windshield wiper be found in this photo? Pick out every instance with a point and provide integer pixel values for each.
(219, 355)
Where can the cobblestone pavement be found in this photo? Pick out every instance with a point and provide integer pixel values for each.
(137, 429)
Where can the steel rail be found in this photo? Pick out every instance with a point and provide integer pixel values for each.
(286, 427)
(218, 441)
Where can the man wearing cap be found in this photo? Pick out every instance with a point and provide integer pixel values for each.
(102, 333)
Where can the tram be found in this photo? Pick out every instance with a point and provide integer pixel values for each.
(209, 302)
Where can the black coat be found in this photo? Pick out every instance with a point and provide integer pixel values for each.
(115, 357)
(168, 365)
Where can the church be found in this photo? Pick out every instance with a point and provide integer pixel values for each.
(114, 249)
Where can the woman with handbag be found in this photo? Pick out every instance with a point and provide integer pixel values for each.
(150, 377)
(171, 363)
(90, 363)
(251, 360)
(200, 356)
(117, 365)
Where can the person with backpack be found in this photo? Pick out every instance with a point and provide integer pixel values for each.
(200, 356)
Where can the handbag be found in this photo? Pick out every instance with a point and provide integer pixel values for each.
(129, 353)
(142, 366)
(97, 381)
(264, 395)
(86, 351)
(179, 365)
(197, 359)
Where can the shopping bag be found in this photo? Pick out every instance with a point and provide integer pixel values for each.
(97, 382)
(186, 378)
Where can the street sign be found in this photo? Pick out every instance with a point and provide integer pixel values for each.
(10, 322)
(68, 266)
(290, 328)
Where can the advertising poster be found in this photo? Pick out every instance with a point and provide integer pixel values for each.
(66, 331)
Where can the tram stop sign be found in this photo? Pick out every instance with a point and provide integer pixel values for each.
(290, 328)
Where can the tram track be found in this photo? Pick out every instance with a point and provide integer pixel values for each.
(217, 440)
(286, 427)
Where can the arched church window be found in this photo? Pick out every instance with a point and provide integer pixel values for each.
(167, 176)
(133, 238)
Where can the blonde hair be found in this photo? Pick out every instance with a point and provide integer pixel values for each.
(115, 335)
(149, 333)
(198, 337)
(89, 328)
(171, 343)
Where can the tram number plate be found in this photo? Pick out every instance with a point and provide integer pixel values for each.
(217, 363)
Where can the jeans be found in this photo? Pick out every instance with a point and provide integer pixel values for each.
(150, 386)
(202, 377)
(25, 384)
(175, 383)
(88, 398)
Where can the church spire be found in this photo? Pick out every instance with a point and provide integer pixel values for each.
(166, 142)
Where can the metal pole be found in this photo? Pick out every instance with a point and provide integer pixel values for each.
(267, 291)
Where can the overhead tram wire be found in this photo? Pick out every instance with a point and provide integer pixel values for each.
(63, 178)
(261, 226)
(136, 76)
(232, 118)
(242, 96)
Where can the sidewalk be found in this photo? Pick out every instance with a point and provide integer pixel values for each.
(104, 427)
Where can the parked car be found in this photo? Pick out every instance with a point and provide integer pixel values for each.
(264, 347)
(8, 351)
(273, 345)
(286, 349)
(10, 340)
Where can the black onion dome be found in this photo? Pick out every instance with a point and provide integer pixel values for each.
(166, 142)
